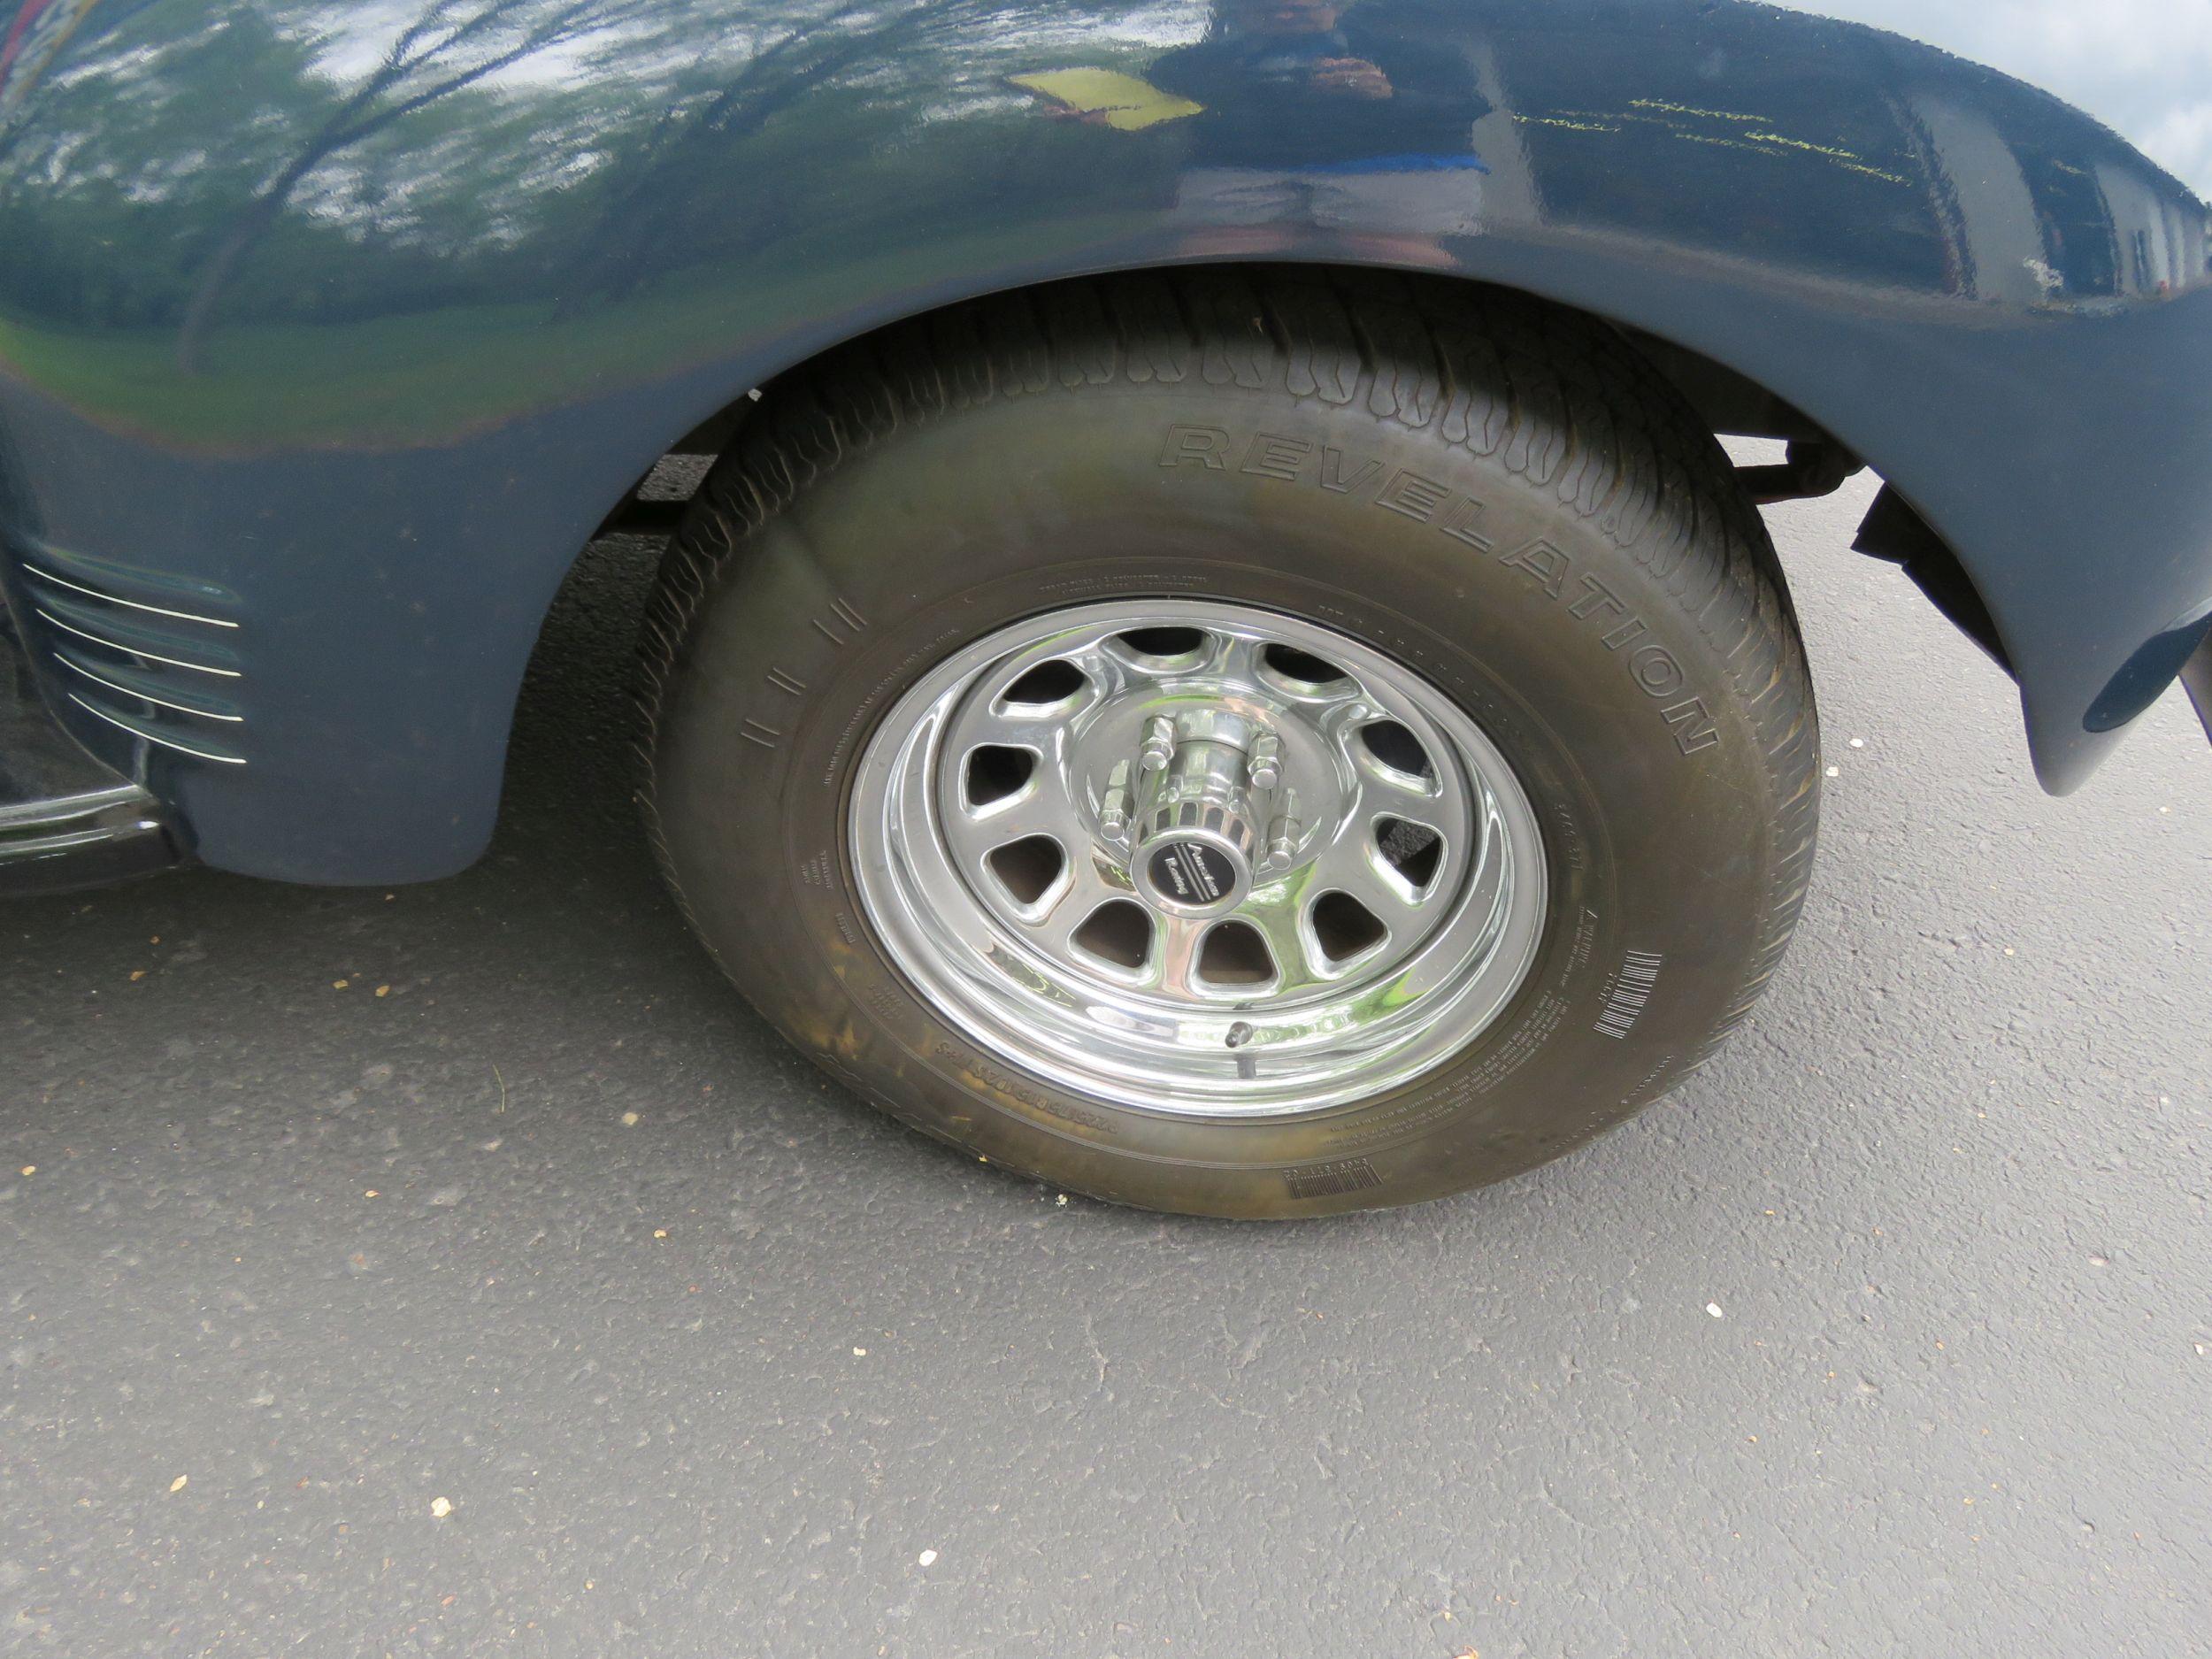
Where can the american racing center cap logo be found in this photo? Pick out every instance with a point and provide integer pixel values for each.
(1192, 875)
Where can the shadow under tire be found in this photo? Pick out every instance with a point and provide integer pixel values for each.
(1336, 512)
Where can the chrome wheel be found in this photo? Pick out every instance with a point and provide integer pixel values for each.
(1196, 857)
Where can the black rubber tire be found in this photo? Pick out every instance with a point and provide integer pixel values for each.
(1611, 615)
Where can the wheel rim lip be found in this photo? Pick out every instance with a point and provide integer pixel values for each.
(1083, 1027)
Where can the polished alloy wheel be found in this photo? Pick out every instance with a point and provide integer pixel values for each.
(1198, 856)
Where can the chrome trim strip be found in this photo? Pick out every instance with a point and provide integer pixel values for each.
(134, 650)
(63, 809)
(186, 616)
(182, 748)
(47, 846)
(147, 696)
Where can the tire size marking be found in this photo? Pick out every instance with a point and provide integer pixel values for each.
(1586, 934)
(981, 1074)
(1632, 990)
(1409, 494)
(885, 1003)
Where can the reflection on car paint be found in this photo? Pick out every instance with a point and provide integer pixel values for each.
(370, 313)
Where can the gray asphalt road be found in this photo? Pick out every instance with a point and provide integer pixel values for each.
(460, 1269)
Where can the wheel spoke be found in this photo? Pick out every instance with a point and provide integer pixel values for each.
(1017, 725)
(1275, 910)
(1029, 811)
(1089, 885)
(1107, 673)
(1040, 808)
(1175, 957)
(1413, 796)
(1350, 865)
(1234, 657)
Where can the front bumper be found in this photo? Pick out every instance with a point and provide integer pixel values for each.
(83, 841)
(65, 820)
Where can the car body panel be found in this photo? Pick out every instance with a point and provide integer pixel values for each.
(339, 329)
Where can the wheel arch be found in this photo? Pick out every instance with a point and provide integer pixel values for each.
(1727, 396)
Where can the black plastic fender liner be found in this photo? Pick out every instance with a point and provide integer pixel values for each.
(1895, 531)
(2196, 675)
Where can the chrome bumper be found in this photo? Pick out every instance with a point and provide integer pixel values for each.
(83, 841)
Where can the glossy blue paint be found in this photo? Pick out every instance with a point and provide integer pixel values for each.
(347, 325)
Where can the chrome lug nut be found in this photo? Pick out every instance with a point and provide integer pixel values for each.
(1113, 811)
(1282, 835)
(1267, 761)
(1159, 743)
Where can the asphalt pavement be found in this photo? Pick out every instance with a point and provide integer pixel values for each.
(462, 1269)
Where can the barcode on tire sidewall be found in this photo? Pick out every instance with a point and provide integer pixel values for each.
(1632, 990)
(1328, 1180)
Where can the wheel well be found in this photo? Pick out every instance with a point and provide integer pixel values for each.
(1728, 403)
(1731, 404)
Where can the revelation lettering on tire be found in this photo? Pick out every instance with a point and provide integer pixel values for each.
(1253, 745)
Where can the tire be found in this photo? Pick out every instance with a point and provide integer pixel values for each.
(1501, 502)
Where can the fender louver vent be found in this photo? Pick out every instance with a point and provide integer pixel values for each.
(163, 666)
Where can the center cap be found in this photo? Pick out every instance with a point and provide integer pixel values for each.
(1193, 877)
(1193, 841)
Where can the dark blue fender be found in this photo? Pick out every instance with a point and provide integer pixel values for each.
(327, 337)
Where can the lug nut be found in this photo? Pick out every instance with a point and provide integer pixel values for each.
(1282, 835)
(1267, 761)
(1113, 811)
(1159, 743)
